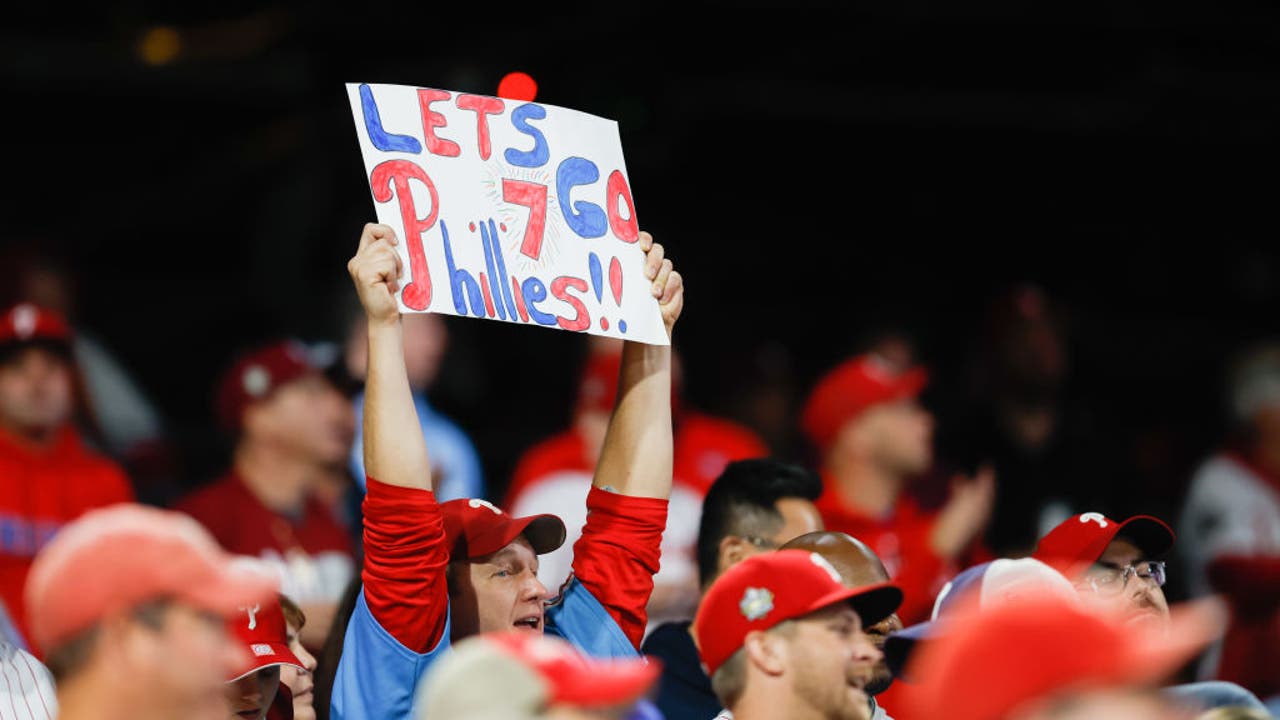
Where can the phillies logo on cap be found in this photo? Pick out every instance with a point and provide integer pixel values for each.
(1094, 517)
(24, 321)
(756, 603)
(253, 615)
(256, 380)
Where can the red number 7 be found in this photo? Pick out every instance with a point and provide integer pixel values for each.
(534, 197)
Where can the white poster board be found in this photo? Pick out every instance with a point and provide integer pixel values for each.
(507, 210)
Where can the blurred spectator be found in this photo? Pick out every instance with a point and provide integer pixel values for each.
(874, 438)
(27, 692)
(753, 507)
(297, 679)
(1119, 567)
(526, 676)
(120, 416)
(1231, 523)
(455, 468)
(1046, 658)
(554, 477)
(858, 567)
(782, 637)
(130, 605)
(293, 428)
(1021, 418)
(261, 632)
(47, 475)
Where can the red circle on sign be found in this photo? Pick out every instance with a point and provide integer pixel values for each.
(518, 86)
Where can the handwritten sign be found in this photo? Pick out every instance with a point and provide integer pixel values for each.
(506, 210)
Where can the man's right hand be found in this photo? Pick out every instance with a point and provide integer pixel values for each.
(375, 270)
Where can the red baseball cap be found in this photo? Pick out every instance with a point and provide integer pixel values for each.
(1078, 542)
(115, 558)
(26, 322)
(993, 661)
(532, 673)
(257, 374)
(852, 387)
(260, 629)
(763, 590)
(474, 528)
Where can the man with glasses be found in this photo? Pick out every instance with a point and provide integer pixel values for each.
(1120, 565)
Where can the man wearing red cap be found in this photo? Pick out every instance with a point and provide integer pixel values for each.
(130, 605)
(260, 631)
(873, 438)
(1117, 563)
(292, 429)
(47, 476)
(555, 475)
(782, 637)
(539, 676)
(435, 574)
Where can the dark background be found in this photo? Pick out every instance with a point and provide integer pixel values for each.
(819, 174)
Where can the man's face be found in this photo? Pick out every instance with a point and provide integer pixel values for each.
(251, 696)
(1138, 600)
(898, 436)
(300, 682)
(186, 660)
(35, 392)
(306, 417)
(498, 592)
(831, 661)
(881, 676)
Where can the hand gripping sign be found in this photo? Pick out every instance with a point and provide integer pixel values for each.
(506, 210)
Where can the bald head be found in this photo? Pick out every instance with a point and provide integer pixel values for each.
(855, 562)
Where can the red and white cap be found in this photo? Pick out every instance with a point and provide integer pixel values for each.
(851, 388)
(116, 558)
(257, 374)
(474, 528)
(764, 590)
(260, 629)
(25, 323)
(1078, 542)
(523, 674)
(995, 660)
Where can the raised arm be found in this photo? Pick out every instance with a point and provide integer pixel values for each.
(618, 553)
(404, 552)
(394, 450)
(636, 459)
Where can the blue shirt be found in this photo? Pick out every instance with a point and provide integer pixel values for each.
(377, 676)
(455, 465)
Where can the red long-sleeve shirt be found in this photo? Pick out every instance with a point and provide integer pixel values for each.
(42, 489)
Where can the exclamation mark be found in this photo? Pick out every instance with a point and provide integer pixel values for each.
(615, 284)
(593, 261)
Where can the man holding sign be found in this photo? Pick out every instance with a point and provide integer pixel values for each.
(436, 573)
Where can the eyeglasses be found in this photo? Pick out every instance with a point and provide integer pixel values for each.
(764, 543)
(1109, 578)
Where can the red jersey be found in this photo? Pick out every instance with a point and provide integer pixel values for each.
(312, 552)
(901, 539)
(42, 489)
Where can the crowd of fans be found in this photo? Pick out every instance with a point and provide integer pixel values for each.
(353, 561)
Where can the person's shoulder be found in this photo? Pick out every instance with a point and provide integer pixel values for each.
(212, 497)
(668, 637)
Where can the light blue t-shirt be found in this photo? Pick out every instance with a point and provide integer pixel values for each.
(455, 464)
(377, 676)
